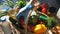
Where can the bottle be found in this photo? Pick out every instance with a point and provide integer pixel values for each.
(5, 25)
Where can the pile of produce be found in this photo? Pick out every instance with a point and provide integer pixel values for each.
(43, 20)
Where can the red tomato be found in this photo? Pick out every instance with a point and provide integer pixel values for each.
(44, 10)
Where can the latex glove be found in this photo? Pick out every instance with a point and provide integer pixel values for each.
(58, 13)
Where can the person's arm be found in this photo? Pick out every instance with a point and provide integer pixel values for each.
(24, 9)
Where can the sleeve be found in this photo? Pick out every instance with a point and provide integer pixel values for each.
(24, 9)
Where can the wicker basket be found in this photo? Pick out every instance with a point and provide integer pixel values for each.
(26, 22)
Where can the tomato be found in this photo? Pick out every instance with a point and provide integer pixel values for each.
(44, 10)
